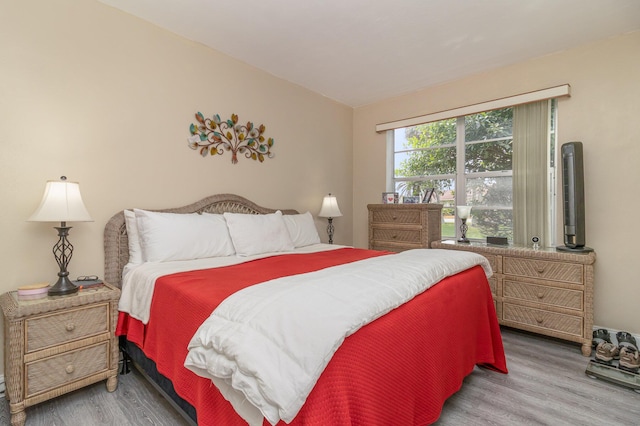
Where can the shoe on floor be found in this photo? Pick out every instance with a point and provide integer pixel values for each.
(606, 352)
(629, 359)
(601, 335)
(626, 339)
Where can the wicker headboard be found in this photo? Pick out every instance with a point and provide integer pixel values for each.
(116, 243)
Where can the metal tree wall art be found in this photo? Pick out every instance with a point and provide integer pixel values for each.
(214, 136)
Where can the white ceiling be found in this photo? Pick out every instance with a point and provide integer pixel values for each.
(362, 51)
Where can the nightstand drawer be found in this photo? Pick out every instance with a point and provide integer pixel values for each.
(397, 216)
(50, 373)
(543, 269)
(61, 327)
(553, 321)
(553, 296)
(397, 235)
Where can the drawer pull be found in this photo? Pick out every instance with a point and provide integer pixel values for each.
(394, 236)
(541, 295)
(539, 320)
(394, 217)
(70, 369)
(70, 327)
(540, 269)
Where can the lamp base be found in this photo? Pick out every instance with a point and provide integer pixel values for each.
(463, 230)
(330, 230)
(63, 287)
(582, 249)
(63, 250)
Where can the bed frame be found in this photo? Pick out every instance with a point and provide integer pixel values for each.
(116, 256)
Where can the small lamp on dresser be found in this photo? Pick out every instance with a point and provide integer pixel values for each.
(62, 203)
(463, 214)
(330, 210)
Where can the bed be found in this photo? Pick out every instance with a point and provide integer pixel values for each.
(396, 368)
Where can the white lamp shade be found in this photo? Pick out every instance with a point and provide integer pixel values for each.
(61, 202)
(463, 211)
(330, 207)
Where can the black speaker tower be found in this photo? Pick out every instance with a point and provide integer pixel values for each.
(573, 198)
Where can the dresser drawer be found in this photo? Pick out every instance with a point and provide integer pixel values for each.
(396, 216)
(553, 321)
(65, 326)
(397, 235)
(493, 284)
(387, 247)
(50, 373)
(553, 296)
(493, 261)
(543, 269)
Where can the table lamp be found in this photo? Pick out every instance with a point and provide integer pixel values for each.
(330, 210)
(62, 203)
(463, 214)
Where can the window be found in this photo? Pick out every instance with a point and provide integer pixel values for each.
(469, 161)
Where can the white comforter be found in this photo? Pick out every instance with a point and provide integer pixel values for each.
(265, 346)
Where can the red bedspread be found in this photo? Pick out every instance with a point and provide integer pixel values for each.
(397, 370)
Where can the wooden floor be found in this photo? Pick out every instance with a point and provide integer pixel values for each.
(546, 385)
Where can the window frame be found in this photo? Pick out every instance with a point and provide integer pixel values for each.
(460, 176)
(554, 94)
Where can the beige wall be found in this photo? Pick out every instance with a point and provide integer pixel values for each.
(106, 99)
(602, 112)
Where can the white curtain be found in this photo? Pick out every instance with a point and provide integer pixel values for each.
(530, 168)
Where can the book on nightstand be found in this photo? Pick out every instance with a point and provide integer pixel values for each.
(33, 291)
(88, 284)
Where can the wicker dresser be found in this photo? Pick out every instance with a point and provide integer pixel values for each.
(398, 227)
(58, 344)
(543, 291)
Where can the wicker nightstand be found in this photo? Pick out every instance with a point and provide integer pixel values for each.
(58, 344)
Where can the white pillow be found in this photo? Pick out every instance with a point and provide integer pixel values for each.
(258, 233)
(301, 229)
(174, 236)
(135, 251)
